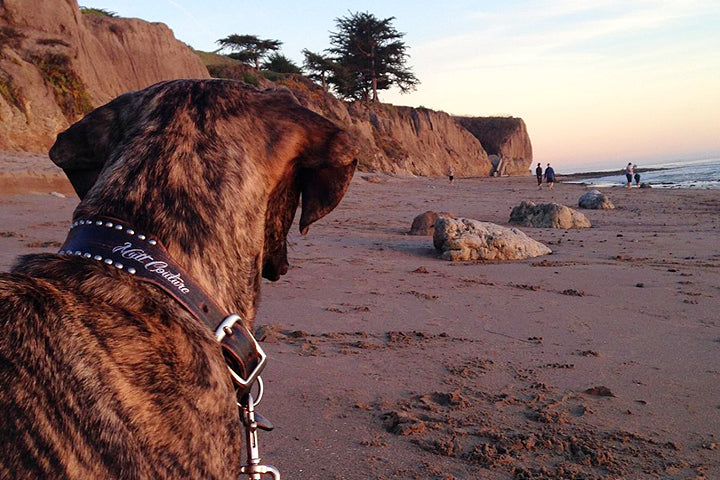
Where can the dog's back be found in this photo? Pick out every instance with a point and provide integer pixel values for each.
(101, 380)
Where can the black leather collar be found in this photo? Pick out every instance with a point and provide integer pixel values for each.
(113, 243)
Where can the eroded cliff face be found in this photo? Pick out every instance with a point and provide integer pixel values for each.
(398, 140)
(56, 64)
(504, 139)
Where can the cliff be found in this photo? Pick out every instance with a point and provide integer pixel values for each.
(398, 140)
(56, 64)
(504, 138)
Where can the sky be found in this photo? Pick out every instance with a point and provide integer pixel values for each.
(598, 83)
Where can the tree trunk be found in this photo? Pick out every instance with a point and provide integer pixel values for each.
(374, 76)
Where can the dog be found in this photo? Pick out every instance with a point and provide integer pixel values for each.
(103, 376)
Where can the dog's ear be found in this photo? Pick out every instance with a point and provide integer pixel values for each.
(82, 150)
(324, 177)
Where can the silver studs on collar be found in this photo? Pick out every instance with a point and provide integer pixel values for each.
(99, 258)
(116, 226)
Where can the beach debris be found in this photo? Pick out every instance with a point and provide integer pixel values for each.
(547, 215)
(420, 269)
(463, 239)
(375, 178)
(588, 353)
(424, 224)
(57, 194)
(596, 200)
(640, 285)
(403, 423)
(599, 391)
(270, 333)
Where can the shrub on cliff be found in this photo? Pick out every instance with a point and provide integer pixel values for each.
(11, 92)
(97, 11)
(69, 90)
(279, 63)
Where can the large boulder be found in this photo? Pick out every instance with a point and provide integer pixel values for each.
(595, 199)
(424, 224)
(547, 215)
(462, 239)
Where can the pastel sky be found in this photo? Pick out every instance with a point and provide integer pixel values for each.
(598, 82)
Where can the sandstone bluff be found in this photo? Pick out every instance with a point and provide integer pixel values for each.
(56, 64)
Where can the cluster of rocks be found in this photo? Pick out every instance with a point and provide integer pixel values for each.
(465, 239)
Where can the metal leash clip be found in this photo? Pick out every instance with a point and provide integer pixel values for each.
(252, 421)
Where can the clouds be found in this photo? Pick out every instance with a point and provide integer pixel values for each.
(532, 33)
(592, 79)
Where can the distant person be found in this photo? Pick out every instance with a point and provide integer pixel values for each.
(550, 176)
(629, 174)
(539, 175)
(451, 174)
(637, 176)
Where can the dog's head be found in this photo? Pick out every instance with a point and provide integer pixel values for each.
(237, 141)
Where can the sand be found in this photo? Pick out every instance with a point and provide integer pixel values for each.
(601, 360)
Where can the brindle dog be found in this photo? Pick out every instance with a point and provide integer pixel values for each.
(104, 376)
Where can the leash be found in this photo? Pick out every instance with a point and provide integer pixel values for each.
(113, 243)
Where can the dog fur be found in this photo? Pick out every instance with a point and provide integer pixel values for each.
(103, 376)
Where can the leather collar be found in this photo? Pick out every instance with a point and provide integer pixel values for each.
(113, 243)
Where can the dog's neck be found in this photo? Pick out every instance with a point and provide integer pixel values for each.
(219, 244)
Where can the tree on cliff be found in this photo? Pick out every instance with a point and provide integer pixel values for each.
(318, 67)
(279, 63)
(371, 56)
(248, 48)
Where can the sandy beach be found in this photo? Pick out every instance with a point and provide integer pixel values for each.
(601, 360)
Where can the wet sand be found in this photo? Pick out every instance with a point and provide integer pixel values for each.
(601, 360)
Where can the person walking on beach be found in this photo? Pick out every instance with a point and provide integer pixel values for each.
(637, 176)
(539, 175)
(550, 176)
(629, 174)
(451, 174)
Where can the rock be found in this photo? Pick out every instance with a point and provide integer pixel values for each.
(595, 199)
(506, 141)
(645, 185)
(461, 239)
(424, 224)
(547, 215)
(375, 178)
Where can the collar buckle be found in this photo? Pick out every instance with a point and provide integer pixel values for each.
(233, 326)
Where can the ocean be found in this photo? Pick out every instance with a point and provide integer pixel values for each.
(694, 174)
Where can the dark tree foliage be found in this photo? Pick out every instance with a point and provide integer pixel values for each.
(318, 67)
(248, 48)
(279, 63)
(371, 56)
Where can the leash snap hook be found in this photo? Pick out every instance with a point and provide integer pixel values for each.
(253, 469)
